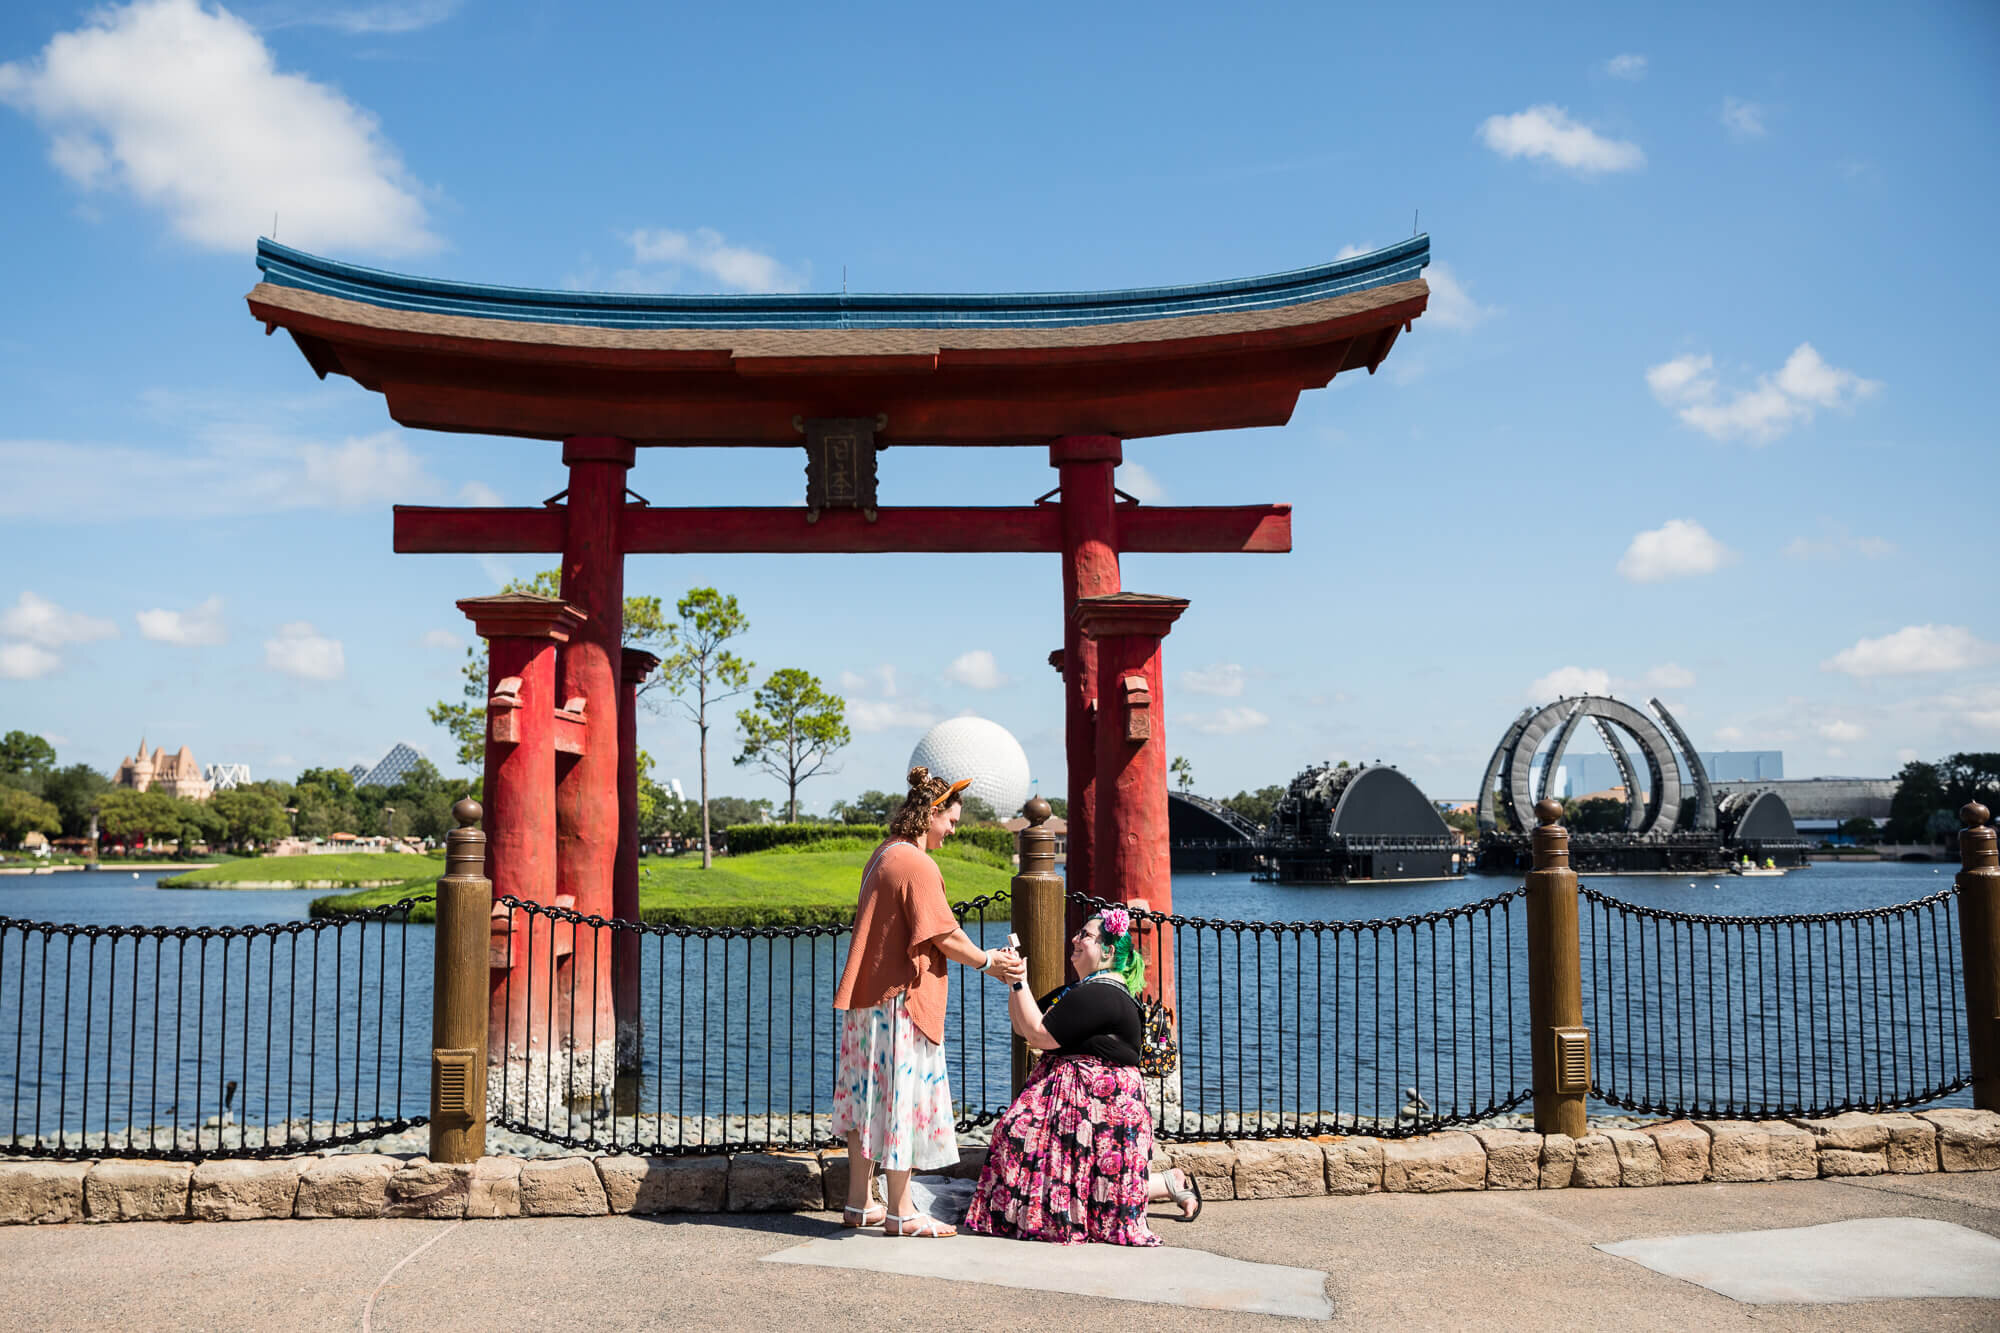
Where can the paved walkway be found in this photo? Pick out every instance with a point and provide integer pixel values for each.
(1459, 1261)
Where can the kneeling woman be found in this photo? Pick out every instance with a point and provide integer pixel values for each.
(1070, 1158)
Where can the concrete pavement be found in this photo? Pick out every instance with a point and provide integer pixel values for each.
(1458, 1261)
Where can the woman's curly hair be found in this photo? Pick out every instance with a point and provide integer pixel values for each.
(913, 817)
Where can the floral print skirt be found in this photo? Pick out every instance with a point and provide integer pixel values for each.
(1070, 1159)
(890, 1086)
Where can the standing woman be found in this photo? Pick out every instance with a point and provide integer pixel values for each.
(891, 1096)
(1071, 1158)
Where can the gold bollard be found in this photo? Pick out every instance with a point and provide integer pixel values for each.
(1979, 944)
(1039, 908)
(1561, 1049)
(459, 999)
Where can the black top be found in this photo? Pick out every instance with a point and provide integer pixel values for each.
(1095, 1018)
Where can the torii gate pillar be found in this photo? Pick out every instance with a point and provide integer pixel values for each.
(1134, 852)
(522, 632)
(634, 665)
(1084, 466)
(593, 581)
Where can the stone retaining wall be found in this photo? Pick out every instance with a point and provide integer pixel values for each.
(1678, 1152)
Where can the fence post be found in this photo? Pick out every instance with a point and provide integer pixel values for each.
(1560, 1042)
(1039, 905)
(1979, 943)
(459, 994)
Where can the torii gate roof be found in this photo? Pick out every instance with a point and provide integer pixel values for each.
(736, 370)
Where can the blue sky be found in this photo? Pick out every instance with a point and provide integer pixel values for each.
(1694, 412)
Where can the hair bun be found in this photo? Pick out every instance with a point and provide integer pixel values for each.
(919, 776)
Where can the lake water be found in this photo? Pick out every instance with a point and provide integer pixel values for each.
(741, 1027)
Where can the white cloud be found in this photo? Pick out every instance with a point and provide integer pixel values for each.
(1350, 251)
(46, 625)
(663, 255)
(302, 651)
(378, 20)
(25, 661)
(1836, 730)
(1570, 680)
(1223, 679)
(1668, 676)
(1913, 650)
(1548, 132)
(879, 680)
(1451, 305)
(1836, 541)
(877, 715)
(1676, 549)
(1630, 67)
(441, 638)
(184, 109)
(231, 468)
(479, 494)
(1729, 735)
(1764, 412)
(198, 625)
(1743, 120)
(977, 669)
(1140, 484)
(1906, 755)
(1225, 721)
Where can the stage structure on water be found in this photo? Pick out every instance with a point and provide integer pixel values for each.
(1675, 822)
(842, 377)
(1335, 824)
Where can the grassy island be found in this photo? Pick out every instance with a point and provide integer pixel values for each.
(813, 884)
(333, 871)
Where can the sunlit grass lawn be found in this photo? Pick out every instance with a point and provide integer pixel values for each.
(334, 867)
(784, 886)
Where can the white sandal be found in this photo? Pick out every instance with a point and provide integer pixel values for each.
(928, 1227)
(855, 1219)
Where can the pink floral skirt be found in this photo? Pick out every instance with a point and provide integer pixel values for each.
(1070, 1159)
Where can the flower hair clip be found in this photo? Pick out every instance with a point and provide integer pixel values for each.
(1117, 921)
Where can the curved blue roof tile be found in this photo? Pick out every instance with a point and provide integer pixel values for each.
(286, 267)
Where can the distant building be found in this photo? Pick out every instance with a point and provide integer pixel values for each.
(390, 769)
(176, 774)
(227, 777)
(1591, 773)
(1821, 805)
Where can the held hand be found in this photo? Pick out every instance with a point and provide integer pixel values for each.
(1009, 966)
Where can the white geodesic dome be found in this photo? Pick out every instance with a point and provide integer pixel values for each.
(986, 752)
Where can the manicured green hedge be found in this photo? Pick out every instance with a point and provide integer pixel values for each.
(747, 838)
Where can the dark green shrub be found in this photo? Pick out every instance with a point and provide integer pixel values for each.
(743, 838)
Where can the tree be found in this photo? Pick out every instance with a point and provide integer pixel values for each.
(21, 752)
(1259, 806)
(1860, 828)
(727, 810)
(1058, 807)
(1183, 772)
(130, 815)
(870, 807)
(249, 817)
(792, 729)
(22, 813)
(1465, 821)
(700, 666)
(74, 792)
(1596, 814)
(645, 627)
(977, 809)
(1919, 795)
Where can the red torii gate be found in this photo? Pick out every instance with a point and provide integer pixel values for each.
(844, 376)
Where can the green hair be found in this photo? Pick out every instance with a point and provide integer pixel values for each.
(1126, 960)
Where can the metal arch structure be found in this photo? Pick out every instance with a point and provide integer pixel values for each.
(1555, 758)
(1637, 817)
(1704, 799)
(1509, 787)
(1236, 824)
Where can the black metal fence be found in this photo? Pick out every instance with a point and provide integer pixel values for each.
(239, 1041)
(737, 1043)
(1390, 1027)
(256, 1040)
(1759, 1016)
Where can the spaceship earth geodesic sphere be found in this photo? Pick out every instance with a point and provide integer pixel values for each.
(986, 752)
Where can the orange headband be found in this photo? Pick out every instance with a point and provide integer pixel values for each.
(951, 791)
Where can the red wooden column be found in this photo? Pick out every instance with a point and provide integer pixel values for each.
(1134, 855)
(1084, 466)
(634, 666)
(593, 581)
(521, 633)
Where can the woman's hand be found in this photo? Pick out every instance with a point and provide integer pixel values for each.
(1009, 966)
